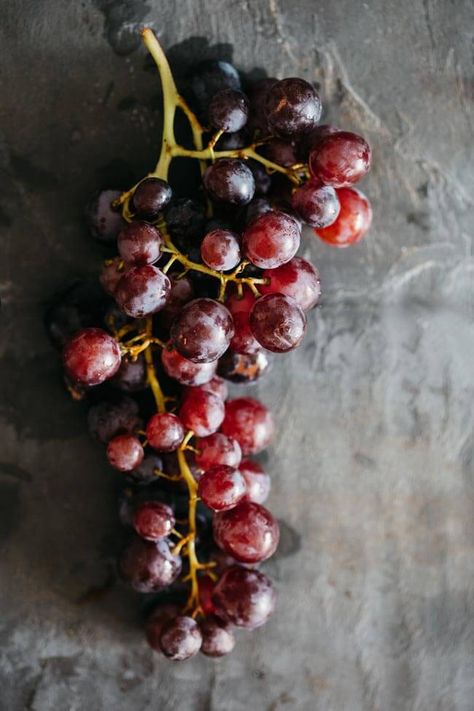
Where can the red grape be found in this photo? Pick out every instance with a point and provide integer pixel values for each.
(164, 432)
(222, 487)
(181, 292)
(153, 520)
(257, 480)
(217, 637)
(206, 586)
(353, 222)
(340, 159)
(149, 567)
(180, 638)
(218, 449)
(202, 412)
(103, 220)
(139, 243)
(277, 322)
(229, 180)
(249, 422)
(216, 385)
(248, 532)
(162, 614)
(292, 107)
(203, 330)
(91, 356)
(228, 110)
(316, 204)
(142, 291)
(298, 279)
(280, 151)
(185, 371)
(243, 368)
(220, 250)
(125, 452)
(272, 239)
(245, 598)
(151, 196)
(243, 340)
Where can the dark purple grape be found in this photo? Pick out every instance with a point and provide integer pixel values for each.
(125, 452)
(277, 322)
(111, 274)
(208, 78)
(292, 107)
(281, 151)
(103, 221)
(257, 93)
(232, 141)
(180, 638)
(131, 376)
(248, 532)
(244, 597)
(151, 196)
(185, 219)
(145, 472)
(217, 637)
(203, 330)
(139, 243)
(149, 567)
(228, 110)
(263, 181)
(91, 356)
(142, 291)
(112, 417)
(229, 180)
(316, 204)
(271, 240)
(298, 279)
(220, 250)
(340, 159)
(243, 368)
(81, 306)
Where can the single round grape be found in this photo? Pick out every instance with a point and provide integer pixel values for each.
(206, 587)
(228, 110)
(316, 204)
(202, 412)
(257, 481)
(218, 449)
(249, 422)
(131, 376)
(142, 291)
(111, 274)
(162, 614)
(217, 386)
(257, 93)
(292, 106)
(209, 77)
(220, 250)
(203, 330)
(125, 452)
(164, 432)
(244, 597)
(185, 218)
(153, 520)
(248, 532)
(139, 243)
(180, 638)
(298, 279)
(217, 637)
(272, 239)
(229, 180)
(185, 371)
(149, 567)
(243, 340)
(355, 218)
(281, 151)
(182, 291)
(103, 221)
(91, 357)
(112, 417)
(222, 487)
(151, 196)
(340, 159)
(277, 322)
(145, 472)
(243, 368)
(263, 180)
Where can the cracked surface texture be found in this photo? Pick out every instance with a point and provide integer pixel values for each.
(373, 468)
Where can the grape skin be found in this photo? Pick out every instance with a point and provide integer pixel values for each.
(249, 422)
(153, 520)
(245, 598)
(125, 452)
(229, 180)
(91, 357)
(277, 322)
(247, 531)
(180, 638)
(164, 432)
(203, 330)
(222, 487)
(202, 412)
(298, 279)
(271, 240)
(292, 107)
(148, 567)
(355, 218)
(142, 291)
(185, 371)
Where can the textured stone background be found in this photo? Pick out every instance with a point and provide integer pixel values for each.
(373, 465)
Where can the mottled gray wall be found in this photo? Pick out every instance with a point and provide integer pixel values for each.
(373, 465)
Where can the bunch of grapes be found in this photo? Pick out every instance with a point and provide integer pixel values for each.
(203, 291)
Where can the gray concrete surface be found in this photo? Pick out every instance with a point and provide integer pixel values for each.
(373, 465)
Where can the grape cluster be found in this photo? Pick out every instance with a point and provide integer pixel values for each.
(203, 289)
